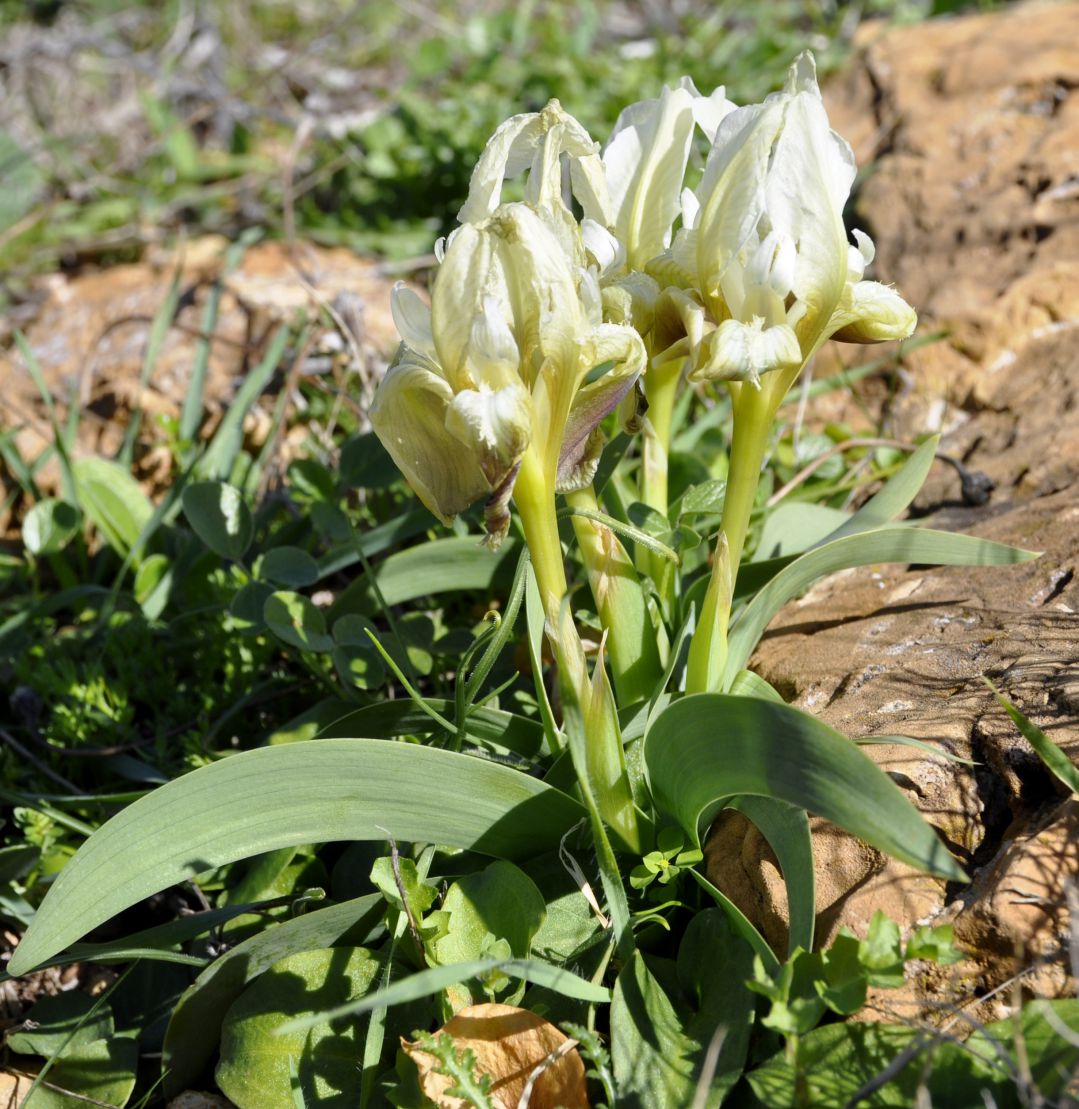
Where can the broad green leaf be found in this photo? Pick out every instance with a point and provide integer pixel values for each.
(713, 965)
(195, 1026)
(796, 526)
(748, 684)
(219, 517)
(113, 501)
(710, 746)
(651, 1054)
(355, 547)
(66, 1020)
(257, 1057)
(289, 566)
(739, 922)
(49, 526)
(837, 1060)
(1049, 1034)
(501, 900)
(262, 800)
(888, 544)
(98, 1073)
(297, 621)
(438, 566)
(896, 495)
(487, 726)
(786, 828)
(436, 979)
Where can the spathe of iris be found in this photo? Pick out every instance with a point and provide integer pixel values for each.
(499, 366)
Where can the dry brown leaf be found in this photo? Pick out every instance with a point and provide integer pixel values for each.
(509, 1044)
(13, 1088)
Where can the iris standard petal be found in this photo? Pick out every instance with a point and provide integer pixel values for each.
(412, 317)
(645, 162)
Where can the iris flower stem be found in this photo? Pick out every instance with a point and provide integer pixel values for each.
(661, 392)
(632, 639)
(605, 764)
(754, 411)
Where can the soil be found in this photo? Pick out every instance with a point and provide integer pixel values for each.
(89, 333)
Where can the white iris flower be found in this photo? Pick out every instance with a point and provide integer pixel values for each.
(503, 360)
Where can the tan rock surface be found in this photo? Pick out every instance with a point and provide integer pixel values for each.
(971, 125)
(974, 204)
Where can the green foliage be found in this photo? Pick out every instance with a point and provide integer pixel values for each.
(282, 693)
(837, 978)
(892, 1065)
(259, 1060)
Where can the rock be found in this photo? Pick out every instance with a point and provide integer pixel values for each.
(972, 127)
(974, 204)
(195, 1099)
(1018, 910)
(89, 335)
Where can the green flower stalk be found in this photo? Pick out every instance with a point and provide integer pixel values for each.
(636, 645)
(769, 266)
(494, 395)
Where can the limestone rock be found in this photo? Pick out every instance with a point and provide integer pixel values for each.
(972, 127)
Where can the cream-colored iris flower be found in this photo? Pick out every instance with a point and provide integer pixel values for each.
(762, 253)
(503, 361)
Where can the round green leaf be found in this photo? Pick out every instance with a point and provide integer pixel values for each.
(49, 526)
(258, 1061)
(219, 517)
(248, 605)
(288, 566)
(295, 620)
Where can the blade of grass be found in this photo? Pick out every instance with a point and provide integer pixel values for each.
(60, 437)
(191, 413)
(159, 331)
(224, 448)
